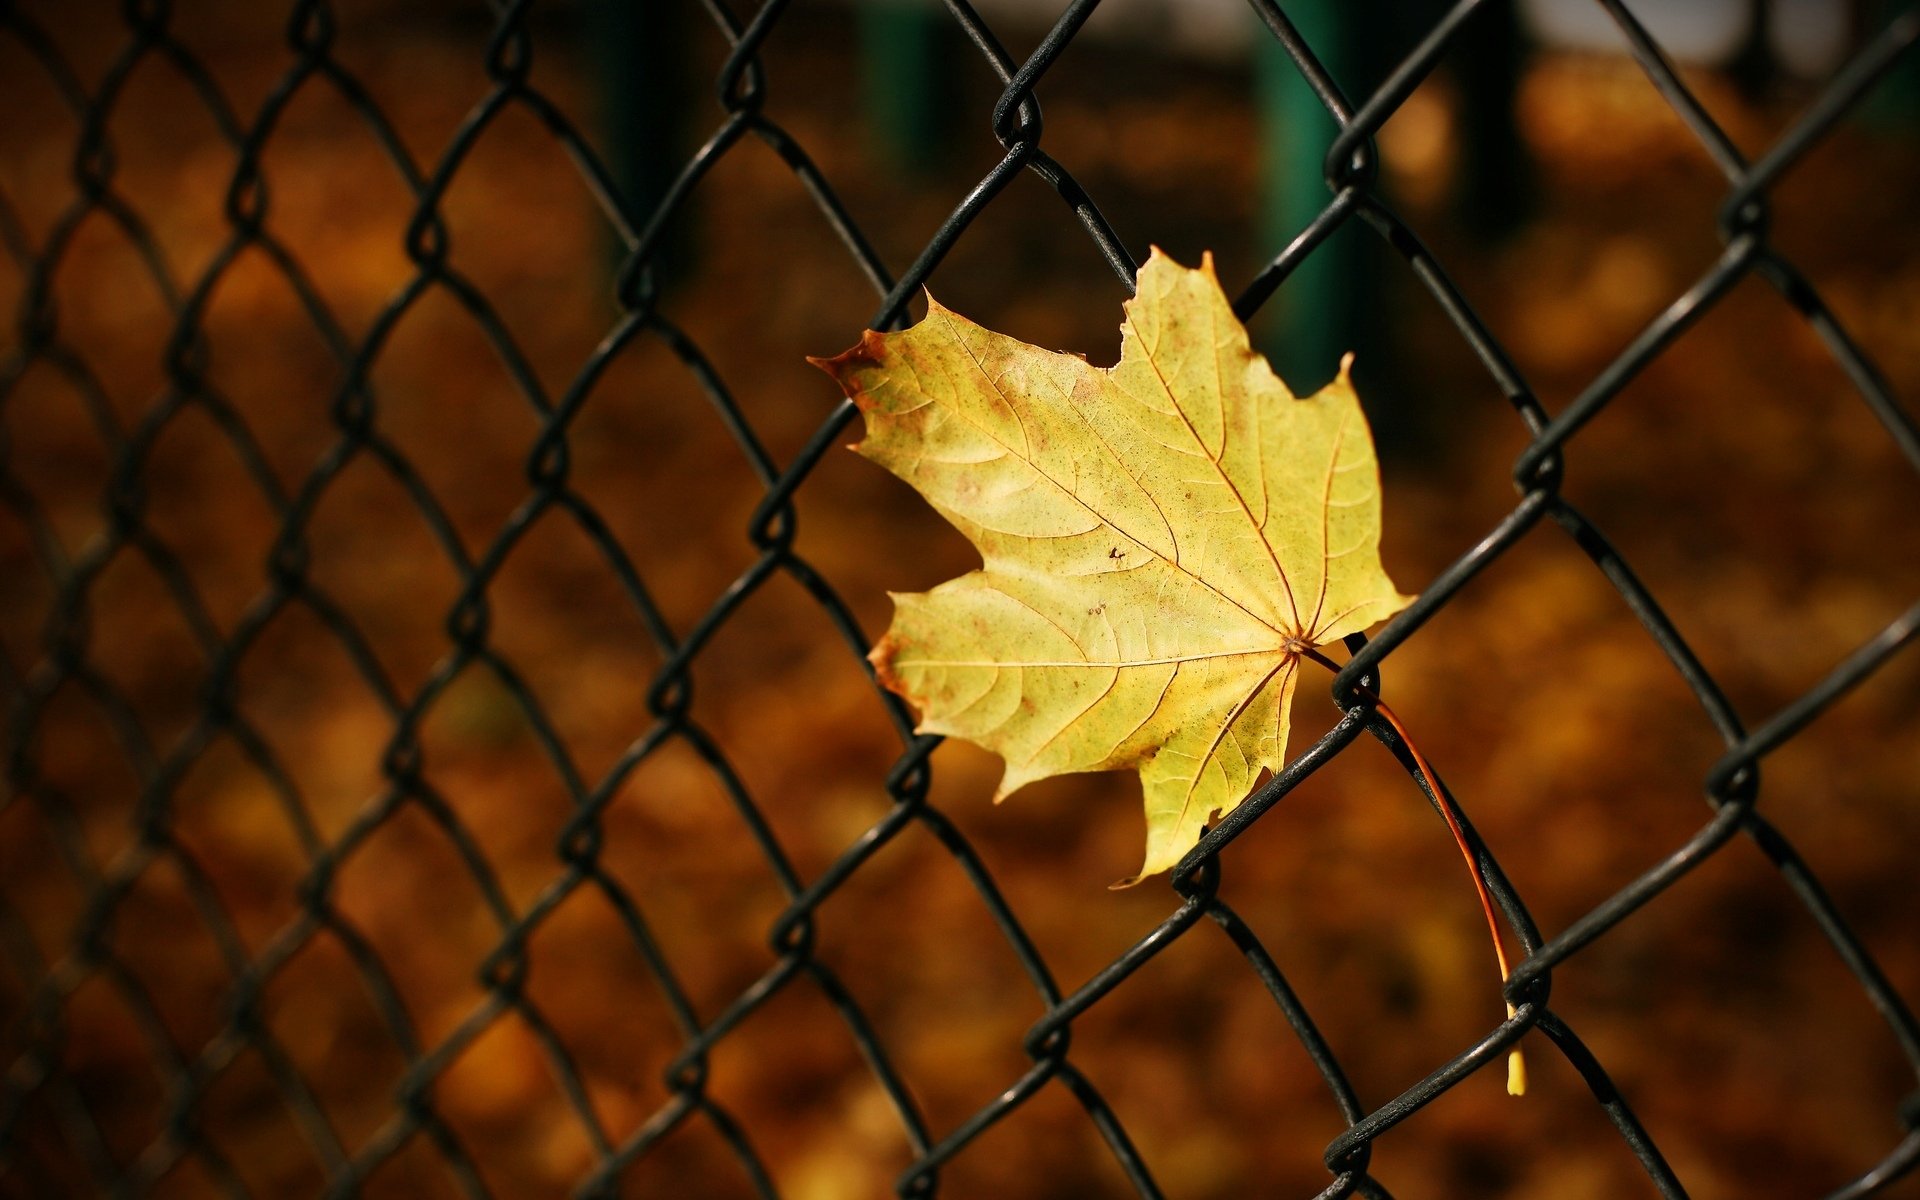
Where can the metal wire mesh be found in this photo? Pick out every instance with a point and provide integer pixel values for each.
(63, 661)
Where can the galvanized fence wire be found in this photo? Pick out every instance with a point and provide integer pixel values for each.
(65, 659)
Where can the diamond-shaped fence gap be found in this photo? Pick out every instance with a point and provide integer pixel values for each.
(1839, 1073)
(1080, 831)
(1070, 300)
(597, 991)
(970, 1008)
(1820, 574)
(645, 397)
(405, 870)
(674, 845)
(387, 50)
(37, 180)
(1580, 291)
(482, 757)
(304, 695)
(814, 789)
(233, 819)
(56, 453)
(243, 53)
(248, 1118)
(339, 205)
(366, 539)
(204, 508)
(756, 341)
(817, 95)
(500, 1092)
(498, 415)
(580, 672)
(569, 94)
(148, 644)
(1184, 1061)
(97, 373)
(549, 283)
(164, 947)
(1597, 122)
(172, 160)
(1578, 108)
(677, 787)
(1828, 810)
(101, 1050)
(280, 403)
(81, 785)
(804, 1097)
(1442, 418)
(317, 1007)
(1121, 114)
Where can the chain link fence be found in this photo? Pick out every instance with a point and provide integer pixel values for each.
(63, 1129)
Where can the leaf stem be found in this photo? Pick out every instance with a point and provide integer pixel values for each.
(1516, 1064)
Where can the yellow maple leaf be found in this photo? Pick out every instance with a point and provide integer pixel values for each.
(1160, 540)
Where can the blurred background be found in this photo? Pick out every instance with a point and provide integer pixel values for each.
(292, 892)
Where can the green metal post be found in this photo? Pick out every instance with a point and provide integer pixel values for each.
(902, 81)
(1317, 304)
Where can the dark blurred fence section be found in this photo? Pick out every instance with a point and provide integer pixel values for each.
(646, 209)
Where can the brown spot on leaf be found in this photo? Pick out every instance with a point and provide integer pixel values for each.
(849, 366)
(882, 656)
